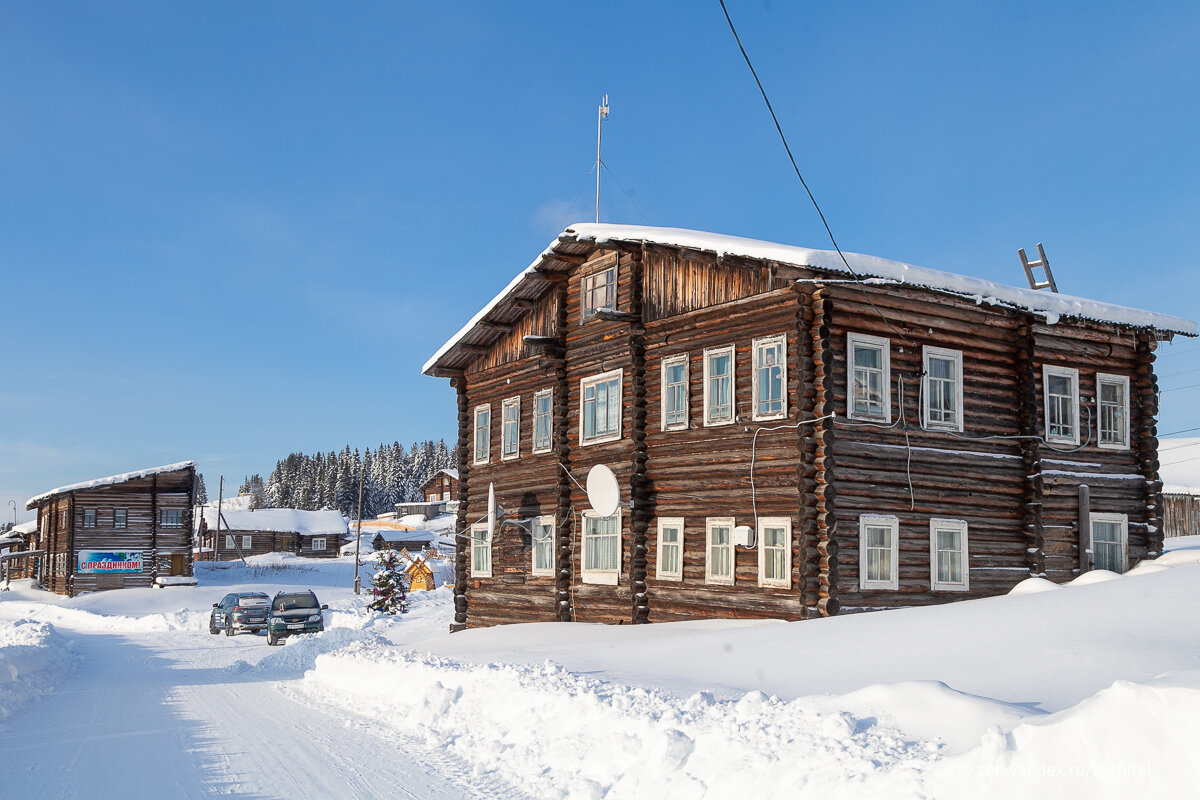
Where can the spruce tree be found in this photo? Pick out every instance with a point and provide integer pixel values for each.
(390, 584)
(201, 492)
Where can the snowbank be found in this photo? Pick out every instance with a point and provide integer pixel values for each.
(33, 658)
(94, 622)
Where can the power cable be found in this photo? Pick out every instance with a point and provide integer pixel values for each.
(796, 169)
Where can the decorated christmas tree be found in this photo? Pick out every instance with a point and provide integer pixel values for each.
(389, 585)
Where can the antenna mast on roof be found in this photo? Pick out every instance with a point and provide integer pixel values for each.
(600, 117)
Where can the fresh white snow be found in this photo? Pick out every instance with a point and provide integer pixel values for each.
(1090, 689)
(284, 520)
(109, 481)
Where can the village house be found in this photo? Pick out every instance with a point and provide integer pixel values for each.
(441, 486)
(246, 532)
(794, 434)
(123, 531)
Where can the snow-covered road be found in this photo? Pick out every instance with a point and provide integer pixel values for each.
(165, 715)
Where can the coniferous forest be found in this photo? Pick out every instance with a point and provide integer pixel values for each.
(391, 475)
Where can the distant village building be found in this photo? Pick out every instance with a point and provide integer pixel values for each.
(1181, 512)
(442, 485)
(794, 432)
(19, 554)
(123, 531)
(244, 532)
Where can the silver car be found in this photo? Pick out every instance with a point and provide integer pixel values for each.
(239, 611)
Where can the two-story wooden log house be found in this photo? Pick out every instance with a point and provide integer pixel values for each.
(892, 435)
(123, 531)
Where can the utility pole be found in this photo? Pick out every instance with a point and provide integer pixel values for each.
(217, 535)
(601, 115)
(358, 533)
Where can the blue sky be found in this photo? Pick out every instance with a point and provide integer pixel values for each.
(230, 231)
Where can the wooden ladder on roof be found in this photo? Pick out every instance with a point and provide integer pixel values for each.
(1043, 263)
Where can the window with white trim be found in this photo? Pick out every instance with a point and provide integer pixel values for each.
(949, 567)
(318, 543)
(1061, 386)
(670, 549)
(483, 433)
(599, 290)
(120, 518)
(543, 545)
(869, 374)
(1112, 401)
(481, 551)
(229, 544)
(1110, 541)
(675, 393)
(170, 517)
(942, 392)
(601, 548)
(89, 518)
(718, 385)
(718, 550)
(247, 542)
(770, 377)
(543, 423)
(600, 407)
(510, 428)
(775, 552)
(879, 552)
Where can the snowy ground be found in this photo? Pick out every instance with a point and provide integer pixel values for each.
(1088, 690)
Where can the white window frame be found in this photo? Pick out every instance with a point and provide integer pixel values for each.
(709, 420)
(549, 415)
(541, 522)
(1122, 381)
(774, 522)
(587, 286)
(1062, 372)
(513, 403)
(162, 518)
(318, 543)
(709, 577)
(669, 523)
(608, 577)
(593, 380)
(229, 542)
(121, 522)
(248, 542)
(884, 345)
(937, 524)
(956, 356)
(667, 363)
(481, 543)
(778, 340)
(487, 435)
(1120, 519)
(878, 521)
(94, 514)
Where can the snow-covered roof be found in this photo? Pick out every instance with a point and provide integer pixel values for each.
(25, 528)
(1047, 304)
(279, 520)
(109, 481)
(419, 537)
(453, 473)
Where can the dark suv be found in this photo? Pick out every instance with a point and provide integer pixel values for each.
(294, 612)
(240, 611)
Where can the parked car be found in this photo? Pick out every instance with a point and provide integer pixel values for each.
(294, 612)
(239, 611)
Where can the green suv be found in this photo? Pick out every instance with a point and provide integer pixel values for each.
(294, 612)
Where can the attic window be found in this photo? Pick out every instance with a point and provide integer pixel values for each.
(599, 291)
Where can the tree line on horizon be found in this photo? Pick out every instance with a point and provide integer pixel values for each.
(329, 481)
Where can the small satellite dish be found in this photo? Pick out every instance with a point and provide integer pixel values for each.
(603, 493)
(491, 515)
(743, 536)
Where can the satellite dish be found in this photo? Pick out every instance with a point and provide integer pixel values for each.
(603, 493)
(491, 515)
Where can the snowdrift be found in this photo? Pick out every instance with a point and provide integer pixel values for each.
(33, 658)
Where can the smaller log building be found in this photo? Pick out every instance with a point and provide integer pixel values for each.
(313, 534)
(441, 486)
(118, 532)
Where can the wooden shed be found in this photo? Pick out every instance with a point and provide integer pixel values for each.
(128, 530)
(1181, 512)
(313, 534)
(877, 434)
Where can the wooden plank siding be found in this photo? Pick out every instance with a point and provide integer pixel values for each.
(1017, 494)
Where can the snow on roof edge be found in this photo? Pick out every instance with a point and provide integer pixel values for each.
(1049, 304)
(109, 481)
